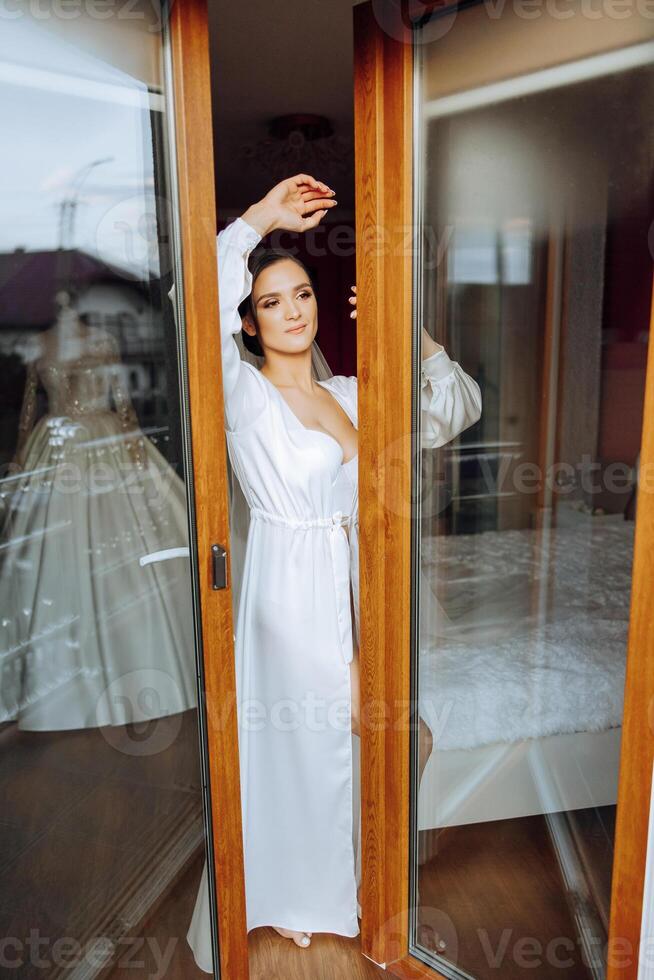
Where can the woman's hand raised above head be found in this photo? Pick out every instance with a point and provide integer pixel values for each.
(295, 204)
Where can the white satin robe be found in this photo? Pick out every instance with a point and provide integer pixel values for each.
(293, 635)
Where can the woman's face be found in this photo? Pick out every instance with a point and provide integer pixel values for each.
(286, 308)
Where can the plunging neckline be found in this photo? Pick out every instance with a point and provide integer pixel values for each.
(308, 428)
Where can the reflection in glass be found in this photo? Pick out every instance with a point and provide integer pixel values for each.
(99, 758)
(535, 272)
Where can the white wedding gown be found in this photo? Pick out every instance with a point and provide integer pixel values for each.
(89, 636)
(294, 631)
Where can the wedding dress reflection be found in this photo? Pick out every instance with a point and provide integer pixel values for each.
(88, 635)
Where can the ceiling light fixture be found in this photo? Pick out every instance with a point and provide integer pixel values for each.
(300, 142)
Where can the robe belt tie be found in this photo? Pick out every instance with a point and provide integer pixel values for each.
(337, 518)
(340, 551)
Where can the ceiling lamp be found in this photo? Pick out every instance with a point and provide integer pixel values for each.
(300, 142)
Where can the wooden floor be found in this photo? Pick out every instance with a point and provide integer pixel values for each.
(88, 824)
(271, 956)
(92, 831)
(328, 958)
(493, 902)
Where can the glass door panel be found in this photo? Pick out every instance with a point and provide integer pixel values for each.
(102, 829)
(534, 156)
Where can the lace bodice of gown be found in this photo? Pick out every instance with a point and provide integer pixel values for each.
(79, 385)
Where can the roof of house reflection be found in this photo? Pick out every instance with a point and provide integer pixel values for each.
(30, 280)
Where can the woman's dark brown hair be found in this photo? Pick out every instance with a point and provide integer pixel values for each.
(260, 259)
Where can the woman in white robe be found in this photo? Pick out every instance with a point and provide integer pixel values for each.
(295, 645)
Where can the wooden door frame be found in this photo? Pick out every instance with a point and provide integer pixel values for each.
(384, 211)
(189, 42)
(637, 751)
(383, 86)
(384, 204)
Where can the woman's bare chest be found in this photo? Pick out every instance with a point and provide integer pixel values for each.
(323, 413)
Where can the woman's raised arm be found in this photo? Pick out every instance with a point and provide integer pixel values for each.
(235, 242)
(295, 204)
(450, 399)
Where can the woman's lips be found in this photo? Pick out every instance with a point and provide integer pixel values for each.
(297, 329)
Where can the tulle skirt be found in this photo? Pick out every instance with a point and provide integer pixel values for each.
(89, 636)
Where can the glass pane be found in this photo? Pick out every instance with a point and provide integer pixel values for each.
(534, 161)
(102, 830)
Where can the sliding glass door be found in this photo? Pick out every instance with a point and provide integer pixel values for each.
(534, 151)
(102, 828)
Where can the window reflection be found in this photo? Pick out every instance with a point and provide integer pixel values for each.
(539, 193)
(99, 757)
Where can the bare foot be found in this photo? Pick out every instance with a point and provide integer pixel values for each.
(302, 939)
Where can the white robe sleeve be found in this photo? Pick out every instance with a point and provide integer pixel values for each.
(243, 392)
(450, 400)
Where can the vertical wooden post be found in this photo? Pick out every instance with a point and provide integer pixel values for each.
(383, 174)
(189, 33)
(637, 749)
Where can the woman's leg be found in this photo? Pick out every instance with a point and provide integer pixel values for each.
(355, 712)
(425, 740)
(299, 938)
(425, 744)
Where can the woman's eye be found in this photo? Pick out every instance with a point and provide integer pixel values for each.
(305, 294)
(269, 304)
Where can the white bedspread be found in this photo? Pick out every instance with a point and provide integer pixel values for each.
(526, 638)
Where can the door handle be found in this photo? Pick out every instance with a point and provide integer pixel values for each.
(164, 555)
(218, 562)
(219, 566)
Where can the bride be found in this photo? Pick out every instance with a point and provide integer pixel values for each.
(293, 445)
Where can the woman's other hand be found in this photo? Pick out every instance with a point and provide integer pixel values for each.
(295, 204)
(353, 301)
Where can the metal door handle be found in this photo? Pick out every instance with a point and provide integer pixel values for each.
(219, 566)
(164, 555)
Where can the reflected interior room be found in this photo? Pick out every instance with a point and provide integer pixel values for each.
(539, 196)
(100, 766)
